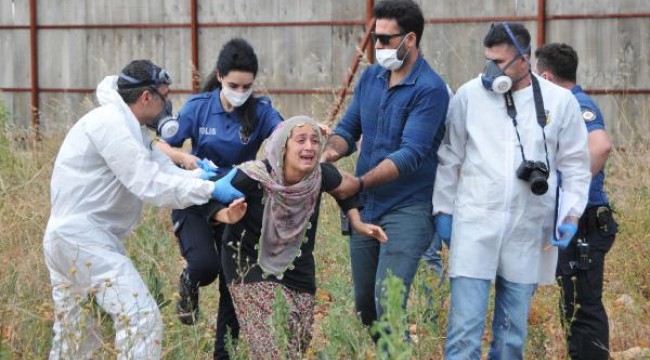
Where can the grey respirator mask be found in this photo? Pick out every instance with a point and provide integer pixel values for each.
(494, 78)
(165, 124)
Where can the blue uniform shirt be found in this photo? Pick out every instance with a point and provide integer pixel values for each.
(594, 121)
(405, 124)
(216, 133)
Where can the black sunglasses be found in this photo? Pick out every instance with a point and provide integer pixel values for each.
(384, 39)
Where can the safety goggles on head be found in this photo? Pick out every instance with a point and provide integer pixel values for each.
(161, 77)
(384, 39)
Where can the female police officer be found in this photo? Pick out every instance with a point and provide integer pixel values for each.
(227, 126)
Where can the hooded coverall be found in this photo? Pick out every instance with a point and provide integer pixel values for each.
(103, 173)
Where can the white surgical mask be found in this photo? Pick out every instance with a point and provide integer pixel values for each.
(387, 58)
(235, 98)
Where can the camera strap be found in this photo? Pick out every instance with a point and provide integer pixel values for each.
(539, 110)
(512, 113)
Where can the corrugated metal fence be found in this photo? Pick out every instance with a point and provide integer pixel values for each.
(55, 52)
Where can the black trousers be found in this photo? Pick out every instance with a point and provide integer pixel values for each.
(200, 244)
(580, 274)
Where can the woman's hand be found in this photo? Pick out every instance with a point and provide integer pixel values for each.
(187, 161)
(325, 130)
(370, 230)
(233, 213)
(362, 228)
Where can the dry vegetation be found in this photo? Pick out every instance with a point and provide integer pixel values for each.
(26, 308)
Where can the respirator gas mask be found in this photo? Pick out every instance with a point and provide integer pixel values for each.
(165, 123)
(494, 78)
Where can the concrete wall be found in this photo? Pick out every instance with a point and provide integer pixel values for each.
(614, 52)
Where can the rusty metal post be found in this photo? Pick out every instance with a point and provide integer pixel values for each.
(33, 45)
(351, 72)
(194, 38)
(370, 53)
(541, 22)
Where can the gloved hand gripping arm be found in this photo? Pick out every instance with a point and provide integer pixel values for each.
(223, 191)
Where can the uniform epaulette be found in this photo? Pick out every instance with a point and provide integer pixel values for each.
(264, 100)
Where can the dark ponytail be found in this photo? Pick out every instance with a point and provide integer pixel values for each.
(211, 82)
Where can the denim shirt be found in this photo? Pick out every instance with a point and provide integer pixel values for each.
(594, 121)
(404, 124)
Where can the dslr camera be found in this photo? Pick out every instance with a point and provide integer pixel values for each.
(536, 173)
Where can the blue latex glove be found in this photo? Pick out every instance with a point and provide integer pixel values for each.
(207, 175)
(223, 191)
(209, 169)
(443, 227)
(207, 165)
(567, 232)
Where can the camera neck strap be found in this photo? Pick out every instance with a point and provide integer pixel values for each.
(539, 110)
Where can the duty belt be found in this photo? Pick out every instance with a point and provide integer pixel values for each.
(590, 220)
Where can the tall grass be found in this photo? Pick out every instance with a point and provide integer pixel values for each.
(26, 314)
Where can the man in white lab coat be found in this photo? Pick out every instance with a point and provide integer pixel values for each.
(104, 171)
(495, 192)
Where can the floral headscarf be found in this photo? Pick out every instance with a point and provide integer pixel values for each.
(287, 208)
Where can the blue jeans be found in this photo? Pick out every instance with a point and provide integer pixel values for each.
(432, 255)
(469, 303)
(409, 230)
(433, 260)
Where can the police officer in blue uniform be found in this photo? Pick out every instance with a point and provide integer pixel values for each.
(227, 126)
(580, 266)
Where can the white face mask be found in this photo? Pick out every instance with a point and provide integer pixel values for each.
(387, 58)
(235, 98)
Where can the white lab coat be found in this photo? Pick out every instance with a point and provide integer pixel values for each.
(499, 226)
(103, 173)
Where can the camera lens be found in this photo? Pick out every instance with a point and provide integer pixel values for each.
(538, 184)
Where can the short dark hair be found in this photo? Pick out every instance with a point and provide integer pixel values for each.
(143, 70)
(559, 59)
(498, 35)
(407, 14)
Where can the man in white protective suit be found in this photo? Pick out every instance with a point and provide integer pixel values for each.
(104, 172)
(508, 133)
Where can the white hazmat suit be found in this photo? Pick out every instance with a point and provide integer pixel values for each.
(103, 173)
(500, 228)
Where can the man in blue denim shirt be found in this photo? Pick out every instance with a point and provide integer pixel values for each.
(399, 107)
